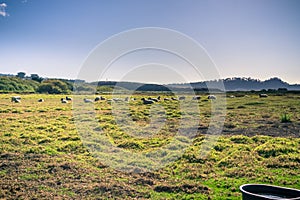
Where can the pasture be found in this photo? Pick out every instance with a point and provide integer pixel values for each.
(42, 154)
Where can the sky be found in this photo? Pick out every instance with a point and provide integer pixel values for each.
(243, 38)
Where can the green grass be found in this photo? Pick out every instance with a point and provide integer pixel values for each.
(42, 155)
(285, 118)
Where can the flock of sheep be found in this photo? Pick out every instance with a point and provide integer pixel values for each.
(149, 100)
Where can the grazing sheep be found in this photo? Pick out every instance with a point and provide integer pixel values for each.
(62, 100)
(145, 101)
(87, 100)
(211, 97)
(166, 99)
(97, 99)
(196, 98)
(153, 99)
(182, 98)
(16, 99)
(41, 100)
(100, 98)
(263, 95)
(68, 98)
(174, 98)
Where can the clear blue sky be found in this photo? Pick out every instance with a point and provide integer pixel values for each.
(254, 38)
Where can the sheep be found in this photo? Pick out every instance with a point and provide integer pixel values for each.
(153, 99)
(263, 95)
(182, 98)
(145, 101)
(97, 99)
(100, 98)
(232, 96)
(41, 100)
(16, 99)
(68, 98)
(87, 100)
(166, 99)
(62, 100)
(174, 99)
(212, 97)
(196, 98)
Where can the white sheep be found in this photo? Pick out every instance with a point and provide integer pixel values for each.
(16, 99)
(97, 99)
(212, 97)
(263, 95)
(196, 98)
(62, 100)
(41, 100)
(145, 101)
(153, 99)
(87, 100)
(182, 98)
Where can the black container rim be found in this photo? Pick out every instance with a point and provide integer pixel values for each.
(266, 185)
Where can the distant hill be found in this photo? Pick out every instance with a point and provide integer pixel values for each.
(244, 84)
(134, 86)
(10, 83)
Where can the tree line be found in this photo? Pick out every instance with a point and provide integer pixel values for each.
(19, 85)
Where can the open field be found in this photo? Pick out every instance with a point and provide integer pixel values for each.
(42, 154)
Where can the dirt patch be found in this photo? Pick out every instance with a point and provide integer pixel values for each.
(186, 188)
(268, 128)
(34, 176)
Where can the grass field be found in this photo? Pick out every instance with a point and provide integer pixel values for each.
(42, 155)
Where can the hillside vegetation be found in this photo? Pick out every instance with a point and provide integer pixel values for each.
(12, 84)
(17, 85)
(23, 85)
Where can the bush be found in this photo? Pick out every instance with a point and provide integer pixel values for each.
(17, 85)
(285, 118)
(54, 87)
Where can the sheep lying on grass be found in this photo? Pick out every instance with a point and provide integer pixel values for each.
(87, 100)
(182, 98)
(263, 95)
(41, 100)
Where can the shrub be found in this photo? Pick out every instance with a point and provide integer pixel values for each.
(285, 118)
(54, 87)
